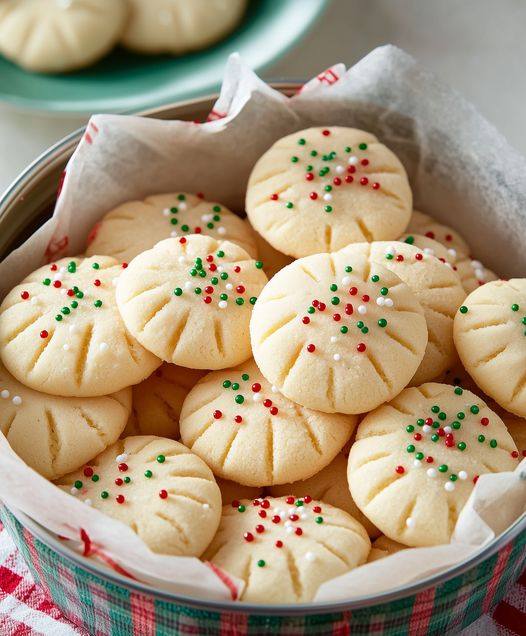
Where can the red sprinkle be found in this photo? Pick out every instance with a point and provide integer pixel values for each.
(123, 467)
(475, 479)
(336, 317)
(351, 169)
(237, 269)
(249, 536)
(417, 436)
(315, 303)
(316, 509)
(430, 235)
(96, 282)
(212, 267)
(238, 419)
(88, 471)
(326, 132)
(484, 421)
(207, 299)
(419, 256)
(182, 240)
(376, 185)
(366, 298)
(305, 320)
(240, 289)
(429, 421)
(449, 237)
(274, 197)
(349, 179)
(267, 403)
(124, 265)
(353, 291)
(217, 415)
(262, 513)
(57, 284)
(163, 494)
(279, 544)
(322, 306)
(54, 267)
(400, 470)
(235, 503)
(24, 295)
(364, 162)
(399, 258)
(209, 258)
(119, 499)
(70, 292)
(514, 454)
(260, 528)
(276, 519)
(197, 230)
(364, 181)
(429, 459)
(209, 289)
(337, 181)
(290, 500)
(293, 517)
(310, 347)
(349, 309)
(361, 347)
(298, 531)
(256, 387)
(274, 410)
(44, 333)
(119, 481)
(307, 499)
(309, 176)
(265, 504)
(313, 196)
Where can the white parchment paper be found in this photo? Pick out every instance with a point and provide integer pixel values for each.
(461, 169)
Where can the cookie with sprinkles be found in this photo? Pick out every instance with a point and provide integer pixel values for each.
(157, 401)
(231, 491)
(285, 548)
(55, 435)
(338, 334)
(61, 332)
(329, 485)
(416, 460)
(189, 300)
(165, 493)
(248, 432)
(320, 189)
(136, 226)
(426, 225)
(438, 290)
(490, 336)
(384, 547)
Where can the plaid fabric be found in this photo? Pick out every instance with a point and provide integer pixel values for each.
(99, 608)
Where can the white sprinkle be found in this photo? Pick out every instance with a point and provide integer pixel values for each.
(388, 302)
(256, 397)
(62, 270)
(229, 286)
(310, 556)
(17, 400)
(220, 268)
(188, 285)
(352, 160)
(426, 428)
(289, 529)
(339, 169)
(103, 346)
(304, 516)
(5, 394)
(449, 486)
(362, 309)
(380, 301)
(334, 339)
(73, 328)
(74, 491)
(291, 511)
(410, 522)
(462, 474)
(282, 514)
(87, 502)
(221, 230)
(182, 259)
(327, 197)
(417, 463)
(429, 251)
(222, 304)
(65, 347)
(346, 280)
(431, 472)
(166, 212)
(337, 357)
(452, 252)
(58, 276)
(288, 523)
(121, 458)
(206, 506)
(480, 274)
(174, 234)
(274, 389)
(448, 429)
(476, 264)
(182, 206)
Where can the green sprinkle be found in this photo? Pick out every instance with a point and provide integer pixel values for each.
(226, 384)
(259, 264)
(174, 221)
(95, 478)
(95, 266)
(420, 422)
(98, 303)
(181, 197)
(252, 300)
(344, 329)
(458, 390)
(294, 159)
(216, 208)
(463, 309)
(435, 438)
(333, 287)
(389, 257)
(328, 208)
(384, 291)
(65, 310)
(410, 240)
(289, 205)
(419, 456)
(185, 228)
(241, 508)
(382, 322)
(178, 291)
(348, 268)
(148, 474)
(127, 480)
(235, 386)
(161, 459)
(515, 307)
(245, 377)
(223, 276)
(58, 317)
(461, 415)
(299, 503)
(210, 226)
(481, 438)
(261, 563)
(216, 218)
(435, 408)
(319, 520)
(104, 494)
(223, 296)
(442, 416)
(348, 149)
(78, 484)
(461, 446)
(362, 146)
(74, 304)
(436, 424)
(410, 428)
(360, 324)
(443, 468)
(311, 310)
(72, 267)
(220, 254)
(453, 477)
(301, 141)
(456, 425)
(375, 278)
(239, 399)
(313, 153)
(197, 290)
(410, 448)
(474, 409)
(335, 300)
(214, 280)
(46, 281)
(309, 168)
(193, 272)
(493, 443)
(328, 188)
(79, 294)
(174, 210)
(240, 301)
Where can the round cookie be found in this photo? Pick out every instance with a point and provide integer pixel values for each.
(320, 189)
(232, 492)
(136, 226)
(157, 401)
(490, 336)
(285, 548)
(517, 429)
(247, 432)
(55, 435)
(329, 485)
(273, 260)
(426, 225)
(437, 289)
(416, 459)
(53, 36)
(61, 332)
(384, 547)
(189, 301)
(178, 26)
(338, 334)
(165, 493)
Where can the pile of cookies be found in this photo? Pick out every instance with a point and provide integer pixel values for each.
(272, 394)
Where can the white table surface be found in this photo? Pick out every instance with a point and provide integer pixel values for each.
(477, 46)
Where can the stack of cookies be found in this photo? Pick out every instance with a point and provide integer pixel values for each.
(272, 395)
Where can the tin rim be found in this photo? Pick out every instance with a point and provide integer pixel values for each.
(15, 193)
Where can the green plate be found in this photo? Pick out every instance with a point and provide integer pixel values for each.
(124, 81)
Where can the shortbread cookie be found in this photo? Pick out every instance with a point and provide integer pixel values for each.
(165, 493)
(158, 400)
(189, 301)
(426, 225)
(490, 335)
(248, 432)
(61, 332)
(178, 26)
(55, 435)
(329, 485)
(416, 459)
(232, 492)
(53, 36)
(384, 547)
(436, 287)
(273, 260)
(285, 548)
(517, 429)
(338, 333)
(320, 189)
(136, 226)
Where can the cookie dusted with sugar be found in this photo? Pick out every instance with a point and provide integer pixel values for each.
(189, 301)
(248, 432)
(338, 333)
(285, 548)
(438, 290)
(426, 225)
(490, 335)
(157, 401)
(165, 493)
(55, 435)
(61, 332)
(329, 485)
(320, 189)
(136, 226)
(416, 460)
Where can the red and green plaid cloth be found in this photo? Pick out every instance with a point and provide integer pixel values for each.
(25, 609)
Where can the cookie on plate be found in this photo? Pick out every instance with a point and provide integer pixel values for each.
(421, 223)
(178, 26)
(248, 432)
(61, 332)
(165, 493)
(338, 333)
(490, 335)
(329, 485)
(320, 189)
(157, 401)
(416, 460)
(384, 547)
(55, 435)
(136, 226)
(189, 301)
(53, 36)
(285, 548)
